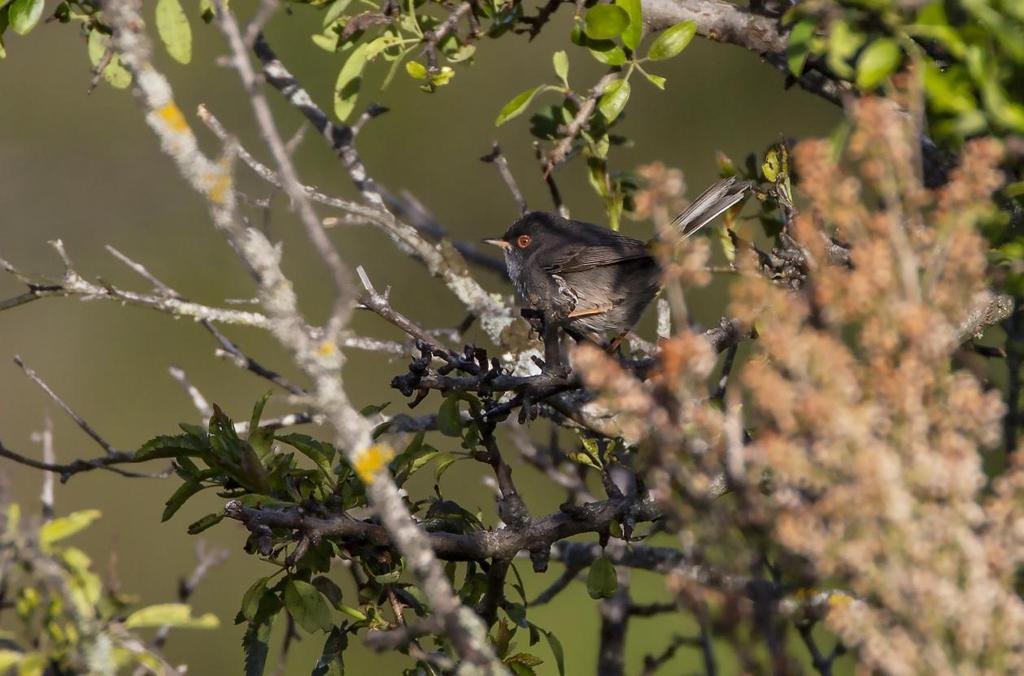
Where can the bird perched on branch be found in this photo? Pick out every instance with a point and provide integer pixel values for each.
(593, 282)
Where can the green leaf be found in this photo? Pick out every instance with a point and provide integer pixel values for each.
(877, 62)
(449, 422)
(516, 106)
(614, 99)
(463, 53)
(256, 646)
(177, 615)
(635, 31)
(656, 80)
(772, 165)
(335, 11)
(556, 650)
(4, 23)
(66, 526)
(172, 447)
(601, 579)
(307, 606)
(843, 43)
(330, 660)
(728, 246)
(416, 70)
(9, 659)
(354, 613)
(208, 521)
(672, 41)
(115, 74)
(444, 461)
(948, 90)
(178, 498)
(350, 79)
(330, 590)
(526, 659)
(607, 52)
(604, 22)
(319, 452)
(503, 633)
(326, 41)
(207, 12)
(251, 598)
(24, 15)
(257, 411)
(561, 62)
(172, 26)
(798, 47)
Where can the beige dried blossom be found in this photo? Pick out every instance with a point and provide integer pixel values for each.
(863, 470)
(663, 191)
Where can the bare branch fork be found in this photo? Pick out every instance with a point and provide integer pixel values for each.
(319, 358)
(442, 260)
(110, 461)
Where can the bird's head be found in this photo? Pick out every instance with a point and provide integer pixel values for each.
(534, 231)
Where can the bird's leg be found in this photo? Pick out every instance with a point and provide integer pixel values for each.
(547, 325)
(552, 337)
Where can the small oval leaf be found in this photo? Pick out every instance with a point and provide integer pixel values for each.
(350, 79)
(175, 33)
(176, 615)
(561, 62)
(115, 74)
(23, 15)
(516, 106)
(877, 62)
(614, 99)
(635, 31)
(798, 47)
(449, 423)
(604, 22)
(66, 526)
(601, 579)
(656, 80)
(307, 606)
(609, 53)
(416, 70)
(672, 41)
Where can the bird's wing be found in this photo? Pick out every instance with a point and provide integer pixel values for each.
(710, 204)
(608, 248)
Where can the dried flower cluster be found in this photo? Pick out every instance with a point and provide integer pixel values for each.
(857, 464)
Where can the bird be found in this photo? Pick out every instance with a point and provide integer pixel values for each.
(594, 282)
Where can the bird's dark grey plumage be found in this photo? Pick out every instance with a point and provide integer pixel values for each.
(596, 281)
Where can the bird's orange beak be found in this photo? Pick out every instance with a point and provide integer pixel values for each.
(499, 243)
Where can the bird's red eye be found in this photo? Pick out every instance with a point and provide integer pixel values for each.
(523, 241)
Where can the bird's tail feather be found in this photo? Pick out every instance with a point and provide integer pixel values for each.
(711, 204)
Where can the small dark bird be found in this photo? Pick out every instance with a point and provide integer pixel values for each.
(595, 282)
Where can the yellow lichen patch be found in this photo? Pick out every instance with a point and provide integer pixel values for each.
(839, 600)
(327, 348)
(218, 184)
(371, 460)
(171, 114)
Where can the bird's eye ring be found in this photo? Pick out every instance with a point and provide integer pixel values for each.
(523, 241)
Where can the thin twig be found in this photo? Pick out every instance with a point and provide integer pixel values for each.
(79, 420)
(45, 440)
(498, 159)
(344, 290)
(198, 400)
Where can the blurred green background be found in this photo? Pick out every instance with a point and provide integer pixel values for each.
(86, 169)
